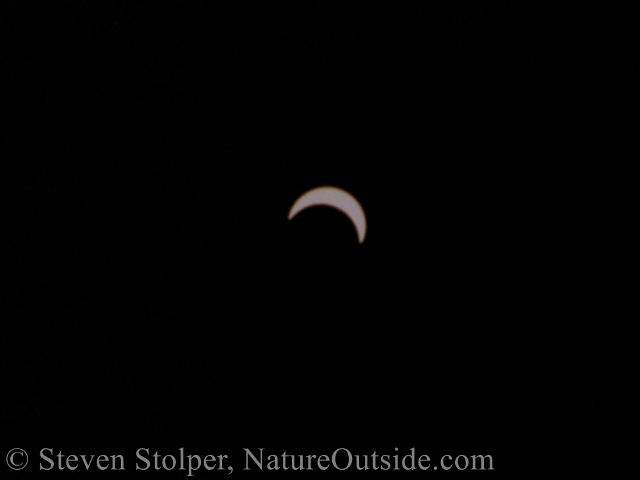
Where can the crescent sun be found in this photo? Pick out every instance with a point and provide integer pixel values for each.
(336, 198)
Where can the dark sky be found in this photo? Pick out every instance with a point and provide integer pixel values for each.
(152, 156)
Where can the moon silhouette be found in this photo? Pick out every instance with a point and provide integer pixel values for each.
(336, 198)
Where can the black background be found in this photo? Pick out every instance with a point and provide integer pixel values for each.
(155, 290)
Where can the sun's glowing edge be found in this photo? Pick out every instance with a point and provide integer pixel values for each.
(338, 199)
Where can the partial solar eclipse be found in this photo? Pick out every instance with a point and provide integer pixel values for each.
(336, 198)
